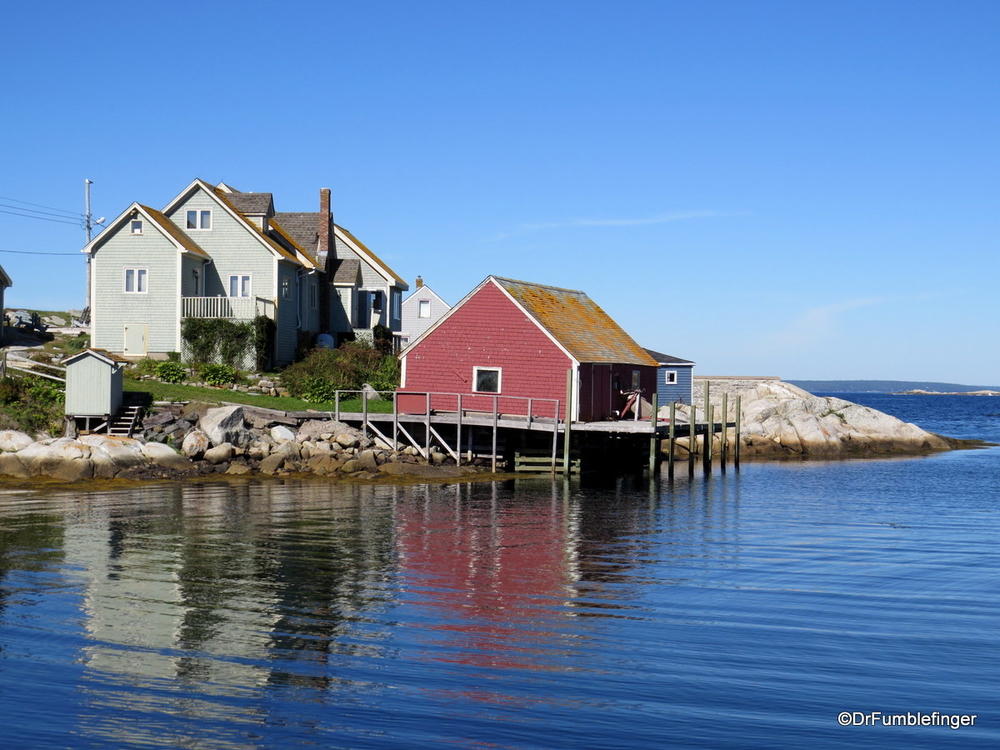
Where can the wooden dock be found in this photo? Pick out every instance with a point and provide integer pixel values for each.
(521, 431)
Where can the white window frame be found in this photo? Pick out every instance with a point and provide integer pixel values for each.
(137, 279)
(198, 219)
(136, 226)
(475, 378)
(423, 308)
(670, 377)
(244, 283)
(397, 304)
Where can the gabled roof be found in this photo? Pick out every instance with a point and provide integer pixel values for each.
(251, 203)
(666, 359)
(373, 259)
(570, 318)
(157, 220)
(346, 272)
(302, 227)
(576, 322)
(102, 354)
(306, 258)
(422, 292)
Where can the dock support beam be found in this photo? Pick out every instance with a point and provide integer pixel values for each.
(653, 440)
(569, 421)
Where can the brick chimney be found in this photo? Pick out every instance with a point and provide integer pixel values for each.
(325, 222)
(420, 281)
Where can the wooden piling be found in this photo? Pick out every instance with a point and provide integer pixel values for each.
(736, 447)
(709, 432)
(653, 439)
(569, 420)
(725, 431)
(670, 440)
(691, 436)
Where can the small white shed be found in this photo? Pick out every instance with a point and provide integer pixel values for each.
(94, 384)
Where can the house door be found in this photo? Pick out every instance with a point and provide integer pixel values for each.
(135, 340)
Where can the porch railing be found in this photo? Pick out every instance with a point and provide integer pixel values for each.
(234, 308)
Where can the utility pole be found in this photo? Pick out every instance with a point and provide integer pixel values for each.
(88, 225)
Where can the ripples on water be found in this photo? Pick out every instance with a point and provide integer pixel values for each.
(740, 610)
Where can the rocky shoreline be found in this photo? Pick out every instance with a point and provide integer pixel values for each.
(231, 440)
(780, 420)
(178, 441)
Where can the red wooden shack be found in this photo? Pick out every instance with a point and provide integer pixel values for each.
(513, 340)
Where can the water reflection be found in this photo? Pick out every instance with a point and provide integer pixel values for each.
(195, 602)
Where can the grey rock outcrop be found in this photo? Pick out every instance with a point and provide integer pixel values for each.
(781, 420)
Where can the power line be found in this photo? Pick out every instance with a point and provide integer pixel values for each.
(78, 222)
(32, 252)
(38, 205)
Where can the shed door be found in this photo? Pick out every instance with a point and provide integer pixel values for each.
(135, 339)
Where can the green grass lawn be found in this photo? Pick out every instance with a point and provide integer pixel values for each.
(169, 392)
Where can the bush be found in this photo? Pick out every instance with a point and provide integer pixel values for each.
(31, 404)
(219, 374)
(171, 372)
(325, 371)
(78, 343)
(146, 366)
(318, 391)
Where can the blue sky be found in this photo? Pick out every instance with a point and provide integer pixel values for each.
(802, 189)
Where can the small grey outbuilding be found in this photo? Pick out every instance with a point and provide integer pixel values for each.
(94, 388)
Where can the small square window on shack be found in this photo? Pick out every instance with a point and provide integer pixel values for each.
(487, 379)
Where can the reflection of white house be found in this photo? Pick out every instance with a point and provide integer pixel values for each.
(420, 310)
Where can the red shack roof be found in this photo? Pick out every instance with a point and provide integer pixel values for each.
(576, 322)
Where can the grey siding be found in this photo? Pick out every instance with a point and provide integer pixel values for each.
(93, 387)
(233, 249)
(113, 308)
(412, 324)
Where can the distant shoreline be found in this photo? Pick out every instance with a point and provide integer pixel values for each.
(895, 387)
(919, 392)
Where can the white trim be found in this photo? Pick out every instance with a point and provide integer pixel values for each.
(199, 220)
(475, 378)
(242, 221)
(239, 285)
(140, 279)
(670, 377)
(372, 260)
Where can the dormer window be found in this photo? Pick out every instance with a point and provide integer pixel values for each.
(199, 219)
(136, 226)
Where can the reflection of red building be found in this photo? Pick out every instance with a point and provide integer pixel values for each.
(496, 578)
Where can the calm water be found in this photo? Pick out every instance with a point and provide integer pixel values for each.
(741, 610)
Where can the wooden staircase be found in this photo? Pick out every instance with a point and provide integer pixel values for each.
(124, 422)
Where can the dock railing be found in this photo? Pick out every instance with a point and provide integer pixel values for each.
(462, 410)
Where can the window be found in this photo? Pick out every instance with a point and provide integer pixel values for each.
(286, 288)
(199, 219)
(424, 308)
(636, 379)
(135, 280)
(313, 296)
(487, 379)
(397, 304)
(239, 285)
(377, 301)
(670, 377)
(137, 226)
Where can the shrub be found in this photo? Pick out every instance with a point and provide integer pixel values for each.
(346, 368)
(170, 372)
(219, 374)
(317, 390)
(78, 343)
(31, 404)
(146, 366)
